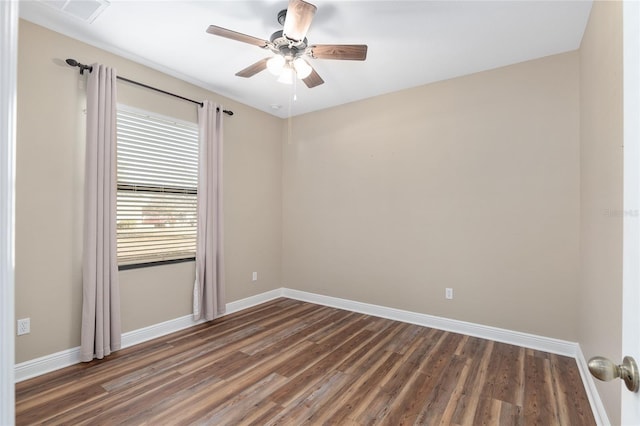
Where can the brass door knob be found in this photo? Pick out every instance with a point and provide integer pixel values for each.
(604, 369)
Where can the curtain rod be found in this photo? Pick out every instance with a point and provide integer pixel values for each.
(74, 63)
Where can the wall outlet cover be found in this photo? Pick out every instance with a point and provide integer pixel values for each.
(24, 326)
(448, 293)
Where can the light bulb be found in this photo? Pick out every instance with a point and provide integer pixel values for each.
(275, 64)
(286, 76)
(303, 69)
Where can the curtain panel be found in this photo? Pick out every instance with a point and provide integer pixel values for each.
(208, 289)
(101, 329)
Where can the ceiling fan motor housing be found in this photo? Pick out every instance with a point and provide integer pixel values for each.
(287, 47)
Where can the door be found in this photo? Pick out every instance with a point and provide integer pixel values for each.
(631, 238)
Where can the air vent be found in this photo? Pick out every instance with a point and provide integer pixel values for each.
(86, 10)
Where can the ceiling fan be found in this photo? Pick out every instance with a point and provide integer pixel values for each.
(291, 47)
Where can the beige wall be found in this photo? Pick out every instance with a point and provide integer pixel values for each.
(600, 313)
(50, 167)
(471, 183)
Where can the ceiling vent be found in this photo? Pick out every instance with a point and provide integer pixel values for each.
(86, 10)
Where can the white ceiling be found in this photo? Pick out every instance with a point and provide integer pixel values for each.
(411, 43)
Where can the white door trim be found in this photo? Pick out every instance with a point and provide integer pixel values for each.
(630, 409)
(8, 94)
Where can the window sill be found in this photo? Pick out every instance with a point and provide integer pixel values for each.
(157, 263)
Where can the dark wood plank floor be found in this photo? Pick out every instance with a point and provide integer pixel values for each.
(290, 362)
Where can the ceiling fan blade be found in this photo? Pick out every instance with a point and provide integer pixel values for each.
(299, 17)
(234, 35)
(253, 69)
(313, 79)
(351, 52)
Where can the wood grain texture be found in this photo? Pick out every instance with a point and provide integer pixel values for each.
(253, 69)
(295, 363)
(234, 35)
(351, 52)
(313, 79)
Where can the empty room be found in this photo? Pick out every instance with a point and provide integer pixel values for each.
(320, 212)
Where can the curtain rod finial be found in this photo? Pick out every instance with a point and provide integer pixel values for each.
(83, 67)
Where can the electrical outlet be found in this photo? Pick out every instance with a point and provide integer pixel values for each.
(254, 277)
(24, 326)
(448, 293)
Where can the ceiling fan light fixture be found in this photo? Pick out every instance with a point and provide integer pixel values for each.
(287, 75)
(275, 65)
(302, 67)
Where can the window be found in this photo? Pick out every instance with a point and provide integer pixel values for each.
(157, 188)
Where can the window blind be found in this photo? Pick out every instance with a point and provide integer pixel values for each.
(157, 187)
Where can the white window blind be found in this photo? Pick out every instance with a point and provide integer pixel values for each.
(157, 187)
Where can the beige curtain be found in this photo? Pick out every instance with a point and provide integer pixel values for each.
(100, 291)
(208, 290)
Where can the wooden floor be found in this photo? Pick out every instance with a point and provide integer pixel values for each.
(290, 362)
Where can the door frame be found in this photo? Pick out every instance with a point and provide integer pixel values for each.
(8, 95)
(630, 402)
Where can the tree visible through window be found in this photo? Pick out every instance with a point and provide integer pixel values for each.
(157, 188)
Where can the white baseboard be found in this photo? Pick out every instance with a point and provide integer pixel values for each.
(46, 364)
(162, 329)
(547, 344)
(140, 335)
(250, 301)
(599, 413)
